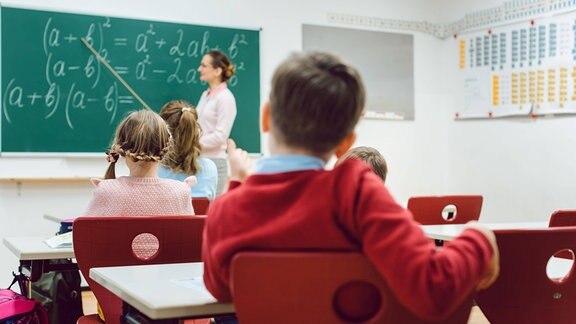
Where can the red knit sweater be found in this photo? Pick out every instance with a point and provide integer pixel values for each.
(345, 209)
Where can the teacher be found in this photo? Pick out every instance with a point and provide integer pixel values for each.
(216, 111)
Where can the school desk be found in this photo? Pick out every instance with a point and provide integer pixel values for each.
(35, 255)
(52, 218)
(161, 292)
(556, 268)
(447, 232)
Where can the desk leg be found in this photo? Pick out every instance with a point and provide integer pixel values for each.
(32, 270)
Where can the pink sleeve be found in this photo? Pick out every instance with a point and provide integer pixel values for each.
(429, 281)
(98, 203)
(226, 112)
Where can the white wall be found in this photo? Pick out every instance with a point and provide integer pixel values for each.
(523, 168)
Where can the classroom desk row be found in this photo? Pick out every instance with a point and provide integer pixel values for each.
(451, 231)
(186, 296)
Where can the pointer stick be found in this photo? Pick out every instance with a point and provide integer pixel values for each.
(103, 61)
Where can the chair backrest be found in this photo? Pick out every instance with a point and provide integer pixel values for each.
(523, 293)
(317, 287)
(200, 205)
(128, 240)
(563, 218)
(427, 210)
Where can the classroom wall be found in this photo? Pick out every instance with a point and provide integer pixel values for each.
(522, 167)
(23, 202)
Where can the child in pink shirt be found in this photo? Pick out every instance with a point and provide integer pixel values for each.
(142, 138)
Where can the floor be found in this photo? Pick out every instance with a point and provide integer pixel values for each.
(89, 306)
(477, 317)
(88, 302)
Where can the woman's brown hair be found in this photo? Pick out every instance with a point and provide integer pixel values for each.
(220, 60)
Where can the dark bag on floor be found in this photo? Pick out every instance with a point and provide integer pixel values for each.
(18, 309)
(59, 293)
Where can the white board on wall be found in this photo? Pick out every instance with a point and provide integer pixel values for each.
(385, 61)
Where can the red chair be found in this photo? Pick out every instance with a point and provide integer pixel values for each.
(563, 218)
(523, 293)
(317, 287)
(428, 210)
(200, 205)
(127, 240)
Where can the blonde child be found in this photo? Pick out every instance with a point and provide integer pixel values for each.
(142, 139)
(370, 156)
(183, 159)
(315, 103)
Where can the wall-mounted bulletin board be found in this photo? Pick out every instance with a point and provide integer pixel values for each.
(524, 68)
(385, 61)
(57, 97)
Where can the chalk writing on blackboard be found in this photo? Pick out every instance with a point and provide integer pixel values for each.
(57, 76)
(147, 45)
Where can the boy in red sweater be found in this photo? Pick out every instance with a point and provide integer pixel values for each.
(291, 203)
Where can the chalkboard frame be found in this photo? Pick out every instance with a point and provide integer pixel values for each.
(250, 142)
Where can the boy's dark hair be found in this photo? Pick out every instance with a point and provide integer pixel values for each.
(369, 155)
(315, 101)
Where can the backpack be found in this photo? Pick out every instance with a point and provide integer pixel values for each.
(18, 309)
(60, 294)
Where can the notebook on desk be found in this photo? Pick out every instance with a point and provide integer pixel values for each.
(60, 241)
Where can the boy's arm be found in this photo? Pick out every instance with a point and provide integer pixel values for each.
(491, 274)
(429, 281)
(240, 163)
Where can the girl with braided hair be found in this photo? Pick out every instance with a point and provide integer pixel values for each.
(142, 139)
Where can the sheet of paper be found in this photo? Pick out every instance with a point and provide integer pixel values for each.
(194, 282)
(60, 241)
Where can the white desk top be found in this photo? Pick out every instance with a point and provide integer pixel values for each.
(34, 248)
(162, 291)
(55, 219)
(558, 267)
(451, 231)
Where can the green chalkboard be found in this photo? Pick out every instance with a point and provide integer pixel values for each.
(57, 97)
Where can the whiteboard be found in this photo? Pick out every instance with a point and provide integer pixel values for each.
(385, 61)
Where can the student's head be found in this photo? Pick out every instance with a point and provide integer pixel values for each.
(216, 66)
(369, 155)
(141, 137)
(182, 119)
(315, 103)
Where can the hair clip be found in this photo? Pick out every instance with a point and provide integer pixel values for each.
(112, 156)
(186, 109)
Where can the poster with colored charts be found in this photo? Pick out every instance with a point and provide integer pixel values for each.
(523, 69)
